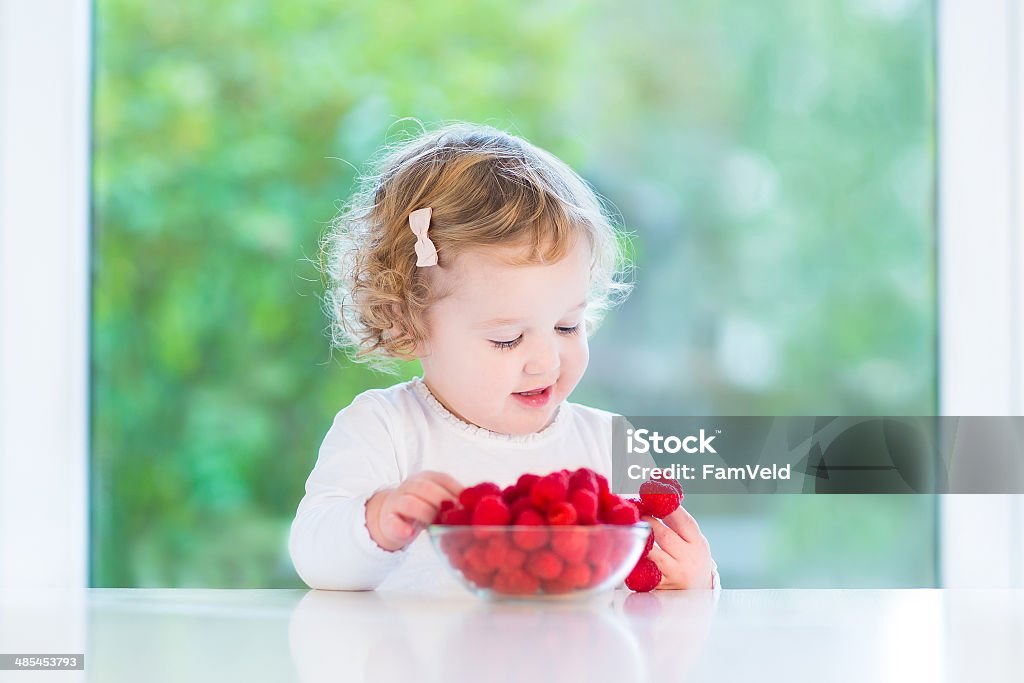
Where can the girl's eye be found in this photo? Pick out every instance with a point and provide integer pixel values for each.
(567, 331)
(507, 344)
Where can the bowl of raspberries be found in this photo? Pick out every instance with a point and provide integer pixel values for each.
(554, 536)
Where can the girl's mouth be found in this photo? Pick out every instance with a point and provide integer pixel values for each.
(535, 398)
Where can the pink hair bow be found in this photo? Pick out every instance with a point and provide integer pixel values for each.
(419, 222)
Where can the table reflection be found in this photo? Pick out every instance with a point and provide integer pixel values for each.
(386, 636)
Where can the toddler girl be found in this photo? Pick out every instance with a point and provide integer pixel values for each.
(491, 262)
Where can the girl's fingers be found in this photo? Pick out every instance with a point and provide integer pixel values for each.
(395, 527)
(661, 558)
(677, 572)
(429, 491)
(683, 523)
(666, 538)
(413, 508)
(414, 504)
(446, 481)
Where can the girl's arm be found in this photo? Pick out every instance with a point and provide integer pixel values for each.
(329, 543)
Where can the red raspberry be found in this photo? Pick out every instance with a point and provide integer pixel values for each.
(544, 564)
(585, 503)
(501, 583)
(520, 504)
(549, 489)
(515, 582)
(645, 576)
(558, 586)
(530, 517)
(525, 583)
(456, 516)
(445, 506)
(624, 513)
(491, 510)
(585, 479)
(661, 476)
(437, 515)
(509, 494)
(650, 543)
(530, 539)
(570, 544)
(599, 571)
(602, 485)
(478, 578)
(598, 548)
(640, 507)
(453, 544)
(525, 484)
(514, 557)
(496, 552)
(660, 499)
(578, 574)
(606, 500)
(475, 559)
(484, 561)
(453, 550)
(470, 496)
(620, 548)
(561, 514)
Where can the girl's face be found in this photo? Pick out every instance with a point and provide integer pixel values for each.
(505, 330)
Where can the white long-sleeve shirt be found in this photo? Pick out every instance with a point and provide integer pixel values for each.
(385, 436)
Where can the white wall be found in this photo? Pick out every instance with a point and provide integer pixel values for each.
(981, 299)
(44, 230)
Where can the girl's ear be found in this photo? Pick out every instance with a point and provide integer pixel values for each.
(397, 331)
(418, 351)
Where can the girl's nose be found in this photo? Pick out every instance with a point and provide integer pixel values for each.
(543, 358)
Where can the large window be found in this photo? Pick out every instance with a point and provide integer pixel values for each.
(775, 162)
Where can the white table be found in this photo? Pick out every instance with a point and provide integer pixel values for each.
(312, 636)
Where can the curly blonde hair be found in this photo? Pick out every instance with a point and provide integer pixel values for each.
(486, 188)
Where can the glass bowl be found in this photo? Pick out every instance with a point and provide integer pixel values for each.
(540, 562)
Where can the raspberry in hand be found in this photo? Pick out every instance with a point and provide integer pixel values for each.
(394, 517)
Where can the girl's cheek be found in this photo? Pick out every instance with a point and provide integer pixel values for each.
(584, 348)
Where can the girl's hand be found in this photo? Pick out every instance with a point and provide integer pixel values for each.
(682, 553)
(394, 517)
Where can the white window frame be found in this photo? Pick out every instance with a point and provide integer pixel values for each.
(981, 250)
(44, 292)
(45, 48)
